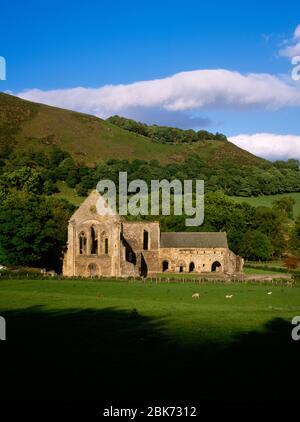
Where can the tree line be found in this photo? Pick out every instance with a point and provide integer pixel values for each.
(38, 173)
(165, 134)
(33, 223)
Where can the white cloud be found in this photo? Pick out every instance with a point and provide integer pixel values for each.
(297, 33)
(183, 91)
(269, 145)
(293, 49)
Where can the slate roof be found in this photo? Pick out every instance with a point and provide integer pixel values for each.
(193, 240)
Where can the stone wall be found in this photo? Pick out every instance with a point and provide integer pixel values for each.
(199, 260)
(147, 256)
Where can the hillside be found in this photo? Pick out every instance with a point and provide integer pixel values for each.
(49, 155)
(30, 126)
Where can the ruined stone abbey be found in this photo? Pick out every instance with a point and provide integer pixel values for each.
(107, 245)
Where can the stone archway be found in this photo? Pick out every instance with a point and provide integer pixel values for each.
(216, 267)
(165, 266)
(93, 270)
(191, 267)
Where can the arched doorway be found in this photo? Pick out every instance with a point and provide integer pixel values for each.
(93, 270)
(182, 267)
(216, 267)
(191, 267)
(165, 266)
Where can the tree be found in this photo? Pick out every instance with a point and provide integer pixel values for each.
(291, 262)
(50, 187)
(25, 178)
(295, 237)
(285, 205)
(256, 246)
(273, 224)
(33, 230)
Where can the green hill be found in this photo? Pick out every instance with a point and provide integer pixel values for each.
(92, 148)
(30, 126)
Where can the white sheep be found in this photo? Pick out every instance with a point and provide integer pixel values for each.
(195, 296)
(229, 296)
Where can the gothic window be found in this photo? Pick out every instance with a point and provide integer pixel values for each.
(145, 240)
(82, 243)
(106, 246)
(94, 241)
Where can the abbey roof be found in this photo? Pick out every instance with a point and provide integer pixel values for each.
(193, 240)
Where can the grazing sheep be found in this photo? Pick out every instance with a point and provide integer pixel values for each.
(195, 296)
(269, 293)
(229, 296)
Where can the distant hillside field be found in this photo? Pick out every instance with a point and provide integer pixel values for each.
(91, 140)
(260, 201)
(267, 200)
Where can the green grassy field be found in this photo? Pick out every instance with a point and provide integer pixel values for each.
(65, 192)
(262, 271)
(85, 340)
(267, 200)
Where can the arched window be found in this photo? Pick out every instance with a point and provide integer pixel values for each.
(191, 267)
(145, 240)
(94, 241)
(82, 243)
(165, 266)
(106, 246)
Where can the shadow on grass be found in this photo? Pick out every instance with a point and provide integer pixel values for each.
(110, 354)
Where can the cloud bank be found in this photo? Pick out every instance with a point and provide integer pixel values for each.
(182, 92)
(293, 48)
(269, 145)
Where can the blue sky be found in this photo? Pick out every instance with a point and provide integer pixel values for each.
(53, 47)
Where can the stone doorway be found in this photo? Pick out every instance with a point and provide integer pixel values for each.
(93, 270)
(216, 267)
(191, 267)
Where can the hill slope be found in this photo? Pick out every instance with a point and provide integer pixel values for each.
(30, 126)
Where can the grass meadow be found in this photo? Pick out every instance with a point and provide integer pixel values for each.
(95, 340)
(267, 200)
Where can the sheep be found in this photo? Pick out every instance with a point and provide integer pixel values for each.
(269, 293)
(195, 296)
(229, 296)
